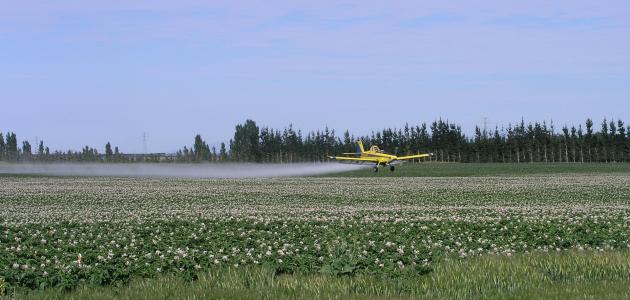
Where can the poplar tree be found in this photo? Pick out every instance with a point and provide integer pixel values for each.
(612, 140)
(2, 146)
(603, 133)
(223, 155)
(588, 139)
(245, 145)
(11, 148)
(200, 149)
(117, 156)
(40, 148)
(580, 140)
(621, 141)
(26, 150)
(108, 152)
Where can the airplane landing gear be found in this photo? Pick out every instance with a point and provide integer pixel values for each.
(375, 169)
(392, 168)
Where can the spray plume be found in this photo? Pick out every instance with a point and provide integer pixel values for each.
(223, 170)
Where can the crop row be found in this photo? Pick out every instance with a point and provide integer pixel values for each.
(42, 200)
(63, 232)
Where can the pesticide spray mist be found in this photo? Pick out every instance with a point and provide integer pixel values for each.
(226, 170)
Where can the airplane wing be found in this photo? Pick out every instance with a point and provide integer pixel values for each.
(357, 159)
(414, 156)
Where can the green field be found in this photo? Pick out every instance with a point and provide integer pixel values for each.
(425, 231)
(436, 169)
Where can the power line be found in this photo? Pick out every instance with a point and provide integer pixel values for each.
(144, 143)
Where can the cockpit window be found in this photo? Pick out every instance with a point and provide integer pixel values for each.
(377, 149)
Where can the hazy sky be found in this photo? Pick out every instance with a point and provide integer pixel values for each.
(80, 72)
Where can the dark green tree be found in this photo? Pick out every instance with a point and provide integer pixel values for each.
(621, 141)
(589, 140)
(573, 143)
(26, 150)
(2, 147)
(530, 141)
(223, 155)
(478, 144)
(117, 156)
(108, 152)
(580, 141)
(612, 139)
(11, 149)
(565, 141)
(603, 142)
(41, 151)
(200, 149)
(245, 145)
(40, 148)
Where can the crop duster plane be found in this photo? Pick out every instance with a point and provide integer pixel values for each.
(376, 156)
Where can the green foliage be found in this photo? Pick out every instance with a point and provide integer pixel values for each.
(245, 145)
(11, 147)
(533, 142)
(64, 232)
(343, 261)
(108, 152)
(523, 142)
(2, 287)
(26, 150)
(528, 276)
(223, 155)
(2, 147)
(200, 149)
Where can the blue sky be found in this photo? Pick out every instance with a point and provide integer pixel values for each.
(76, 72)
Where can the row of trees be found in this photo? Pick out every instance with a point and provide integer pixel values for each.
(9, 151)
(531, 142)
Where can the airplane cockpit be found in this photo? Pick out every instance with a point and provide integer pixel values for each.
(376, 149)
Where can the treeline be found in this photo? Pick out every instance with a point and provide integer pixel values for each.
(11, 152)
(531, 142)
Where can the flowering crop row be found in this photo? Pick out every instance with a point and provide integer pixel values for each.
(68, 231)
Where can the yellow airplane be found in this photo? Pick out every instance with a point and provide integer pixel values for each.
(376, 156)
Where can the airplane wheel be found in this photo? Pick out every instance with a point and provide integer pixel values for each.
(375, 169)
(392, 168)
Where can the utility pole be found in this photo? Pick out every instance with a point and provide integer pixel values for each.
(144, 143)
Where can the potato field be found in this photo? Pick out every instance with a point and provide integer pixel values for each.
(63, 233)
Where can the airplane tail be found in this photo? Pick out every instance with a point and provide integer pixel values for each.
(359, 150)
(360, 147)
